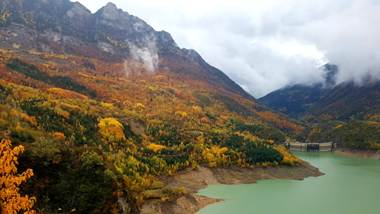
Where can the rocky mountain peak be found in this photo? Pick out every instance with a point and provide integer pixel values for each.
(110, 6)
(65, 27)
(78, 10)
(111, 12)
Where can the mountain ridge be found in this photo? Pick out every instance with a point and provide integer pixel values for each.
(296, 100)
(344, 101)
(110, 33)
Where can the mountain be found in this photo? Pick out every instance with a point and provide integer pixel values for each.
(340, 102)
(345, 113)
(110, 34)
(349, 101)
(107, 108)
(297, 100)
(64, 39)
(294, 101)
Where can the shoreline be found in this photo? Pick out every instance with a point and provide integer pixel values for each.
(358, 154)
(195, 180)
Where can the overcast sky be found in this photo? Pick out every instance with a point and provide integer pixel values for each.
(267, 44)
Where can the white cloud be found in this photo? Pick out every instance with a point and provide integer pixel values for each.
(267, 44)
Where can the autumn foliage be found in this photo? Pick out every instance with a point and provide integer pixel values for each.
(11, 201)
(215, 156)
(280, 122)
(100, 137)
(111, 129)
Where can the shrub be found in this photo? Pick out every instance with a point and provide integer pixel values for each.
(255, 154)
(235, 141)
(111, 129)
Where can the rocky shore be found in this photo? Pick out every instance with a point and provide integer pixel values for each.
(194, 180)
(356, 153)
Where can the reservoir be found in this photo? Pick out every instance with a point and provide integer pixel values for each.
(350, 186)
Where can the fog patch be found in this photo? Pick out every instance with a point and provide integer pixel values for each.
(267, 45)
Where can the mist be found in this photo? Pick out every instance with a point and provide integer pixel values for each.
(266, 45)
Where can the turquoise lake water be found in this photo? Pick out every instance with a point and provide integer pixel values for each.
(350, 186)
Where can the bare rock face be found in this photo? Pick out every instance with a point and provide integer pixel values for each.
(110, 12)
(78, 10)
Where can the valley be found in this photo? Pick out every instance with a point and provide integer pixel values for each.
(102, 113)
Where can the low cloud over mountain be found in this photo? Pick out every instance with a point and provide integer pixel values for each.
(265, 45)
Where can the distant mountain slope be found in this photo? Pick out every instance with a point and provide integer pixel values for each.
(342, 102)
(347, 113)
(294, 101)
(348, 101)
(297, 100)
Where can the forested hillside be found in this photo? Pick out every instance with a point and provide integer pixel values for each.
(345, 113)
(106, 106)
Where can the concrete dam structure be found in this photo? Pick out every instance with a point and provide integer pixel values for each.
(311, 147)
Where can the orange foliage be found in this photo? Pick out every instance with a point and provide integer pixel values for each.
(373, 117)
(111, 129)
(373, 123)
(24, 117)
(205, 120)
(11, 201)
(107, 105)
(197, 109)
(338, 126)
(215, 155)
(248, 136)
(59, 136)
(181, 114)
(280, 122)
(66, 93)
(140, 107)
(156, 147)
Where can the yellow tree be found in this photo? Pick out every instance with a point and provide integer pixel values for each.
(215, 155)
(11, 201)
(111, 129)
